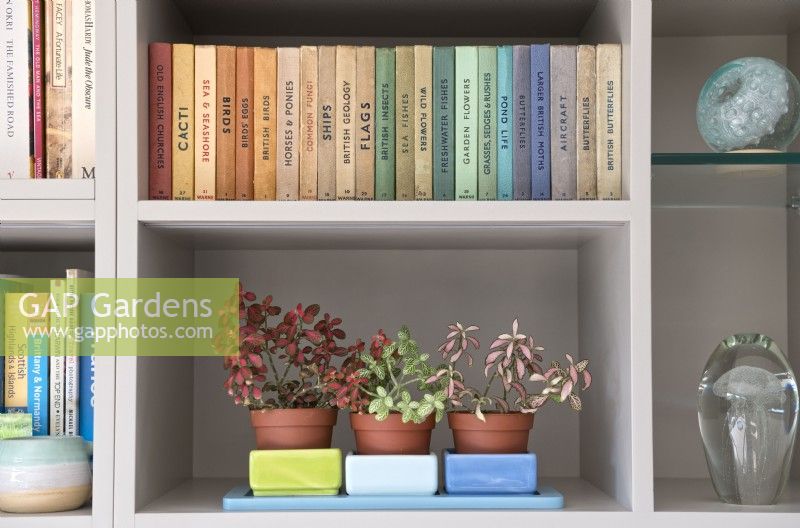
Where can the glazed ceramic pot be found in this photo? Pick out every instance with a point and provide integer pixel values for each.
(294, 428)
(500, 433)
(495, 474)
(42, 474)
(391, 436)
(391, 474)
(287, 472)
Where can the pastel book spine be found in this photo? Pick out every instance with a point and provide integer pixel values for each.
(183, 121)
(522, 122)
(563, 156)
(288, 170)
(404, 123)
(487, 118)
(586, 136)
(205, 111)
(540, 88)
(365, 130)
(15, 141)
(38, 382)
(423, 117)
(308, 122)
(84, 79)
(444, 75)
(345, 122)
(6, 287)
(58, 350)
(326, 122)
(16, 356)
(265, 76)
(37, 82)
(72, 351)
(244, 123)
(86, 369)
(225, 170)
(609, 120)
(58, 95)
(385, 124)
(160, 184)
(505, 123)
(467, 122)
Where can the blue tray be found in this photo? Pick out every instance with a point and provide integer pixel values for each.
(241, 498)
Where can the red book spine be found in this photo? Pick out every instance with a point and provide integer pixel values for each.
(160, 121)
(37, 116)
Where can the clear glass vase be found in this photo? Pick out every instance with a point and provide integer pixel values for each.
(747, 409)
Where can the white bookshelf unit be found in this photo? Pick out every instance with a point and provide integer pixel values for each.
(576, 273)
(646, 304)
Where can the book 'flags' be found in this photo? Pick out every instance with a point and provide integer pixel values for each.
(540, 115)
(365, 123)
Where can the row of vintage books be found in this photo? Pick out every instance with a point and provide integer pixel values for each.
(521, 122)
(48, 81)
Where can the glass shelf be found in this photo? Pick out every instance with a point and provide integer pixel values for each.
(725, 158)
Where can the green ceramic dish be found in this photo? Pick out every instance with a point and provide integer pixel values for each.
(284, 472)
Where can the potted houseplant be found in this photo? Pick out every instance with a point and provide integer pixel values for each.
(385, 416)
(279, 369)
(498, 417)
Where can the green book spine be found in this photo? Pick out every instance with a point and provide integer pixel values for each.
(487, 172)
(467, 93)
(444, 116)
(384, 123)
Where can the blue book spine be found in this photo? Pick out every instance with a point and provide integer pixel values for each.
(444, 116)
(522, 122)
(505, 123)
(86, 373)
(38, 384)
(540, 96)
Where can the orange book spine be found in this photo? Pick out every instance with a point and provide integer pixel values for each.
(244, 123)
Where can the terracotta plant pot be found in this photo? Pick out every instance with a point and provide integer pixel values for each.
(500, 433)
(391, 436)
(294, 428)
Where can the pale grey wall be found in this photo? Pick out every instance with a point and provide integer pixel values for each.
(424, 289)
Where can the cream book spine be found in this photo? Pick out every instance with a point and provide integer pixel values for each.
(309, 84)
(423, 145)
(265, 74)
(345, 122)
(404, 122)
(609, 121)
(183, 121)
(586, 139)
(288, 170)
(365, 133)
(205, 132)
(326, 122)
(83, 89)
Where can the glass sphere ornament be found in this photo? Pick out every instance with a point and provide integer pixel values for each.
(750, 103)
(747, 409)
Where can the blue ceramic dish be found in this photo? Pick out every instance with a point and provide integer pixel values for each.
(489, 474)
(391, 474)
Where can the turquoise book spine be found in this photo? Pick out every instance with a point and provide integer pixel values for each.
(487, 172)
(467, 122)
(505, 122)
(384, 124)
(444, 73)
